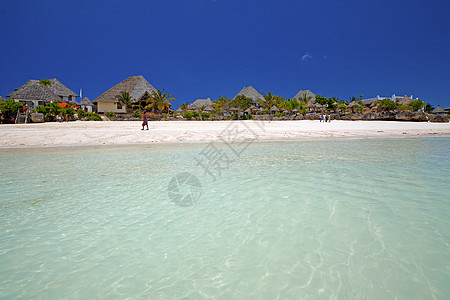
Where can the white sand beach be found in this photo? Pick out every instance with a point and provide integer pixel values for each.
(84, 133)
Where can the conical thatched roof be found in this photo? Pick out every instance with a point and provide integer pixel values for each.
(33, 90)
(136, 86)
(252, 93)
(86, 102)
(60, 89)
(274, 108)
(201, 102)
(310, 105)
(369, 102)
(353, 103)
(308, 93)
(438, 110)
(209, 108)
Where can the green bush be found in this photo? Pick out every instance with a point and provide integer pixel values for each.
(110, 114)
(191, 114)
(88, 116)
(81, 113)
(137, 114)
(279, 114)
(53, 109)
(265, 112)
(9, 109)
(40, 109)
(68, 111)
(403, 107)
(206, 115)
(94, 117)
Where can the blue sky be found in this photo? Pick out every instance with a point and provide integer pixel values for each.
(211, 48)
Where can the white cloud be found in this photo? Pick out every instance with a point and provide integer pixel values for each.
(306, 57)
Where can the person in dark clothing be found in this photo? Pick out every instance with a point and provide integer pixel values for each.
(144, 121)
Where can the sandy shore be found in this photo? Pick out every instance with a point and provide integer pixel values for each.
(119, 133)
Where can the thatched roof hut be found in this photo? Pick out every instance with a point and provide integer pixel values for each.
(137, 86)
(201, 102)
(62, 91)
(309, 95)
(252, 93)
(438, 111)
(86, 102)
(32, 90)
(209, 108)
(274, 109)
(369, 102)
(311, 105)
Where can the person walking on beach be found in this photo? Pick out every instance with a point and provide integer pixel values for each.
(320, 118)
(144, 120)
(329, 118)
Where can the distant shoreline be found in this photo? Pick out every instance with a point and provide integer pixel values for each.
(91, 133)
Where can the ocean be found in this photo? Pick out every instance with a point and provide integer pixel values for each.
(320, 219)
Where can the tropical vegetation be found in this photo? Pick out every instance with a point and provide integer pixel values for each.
(125, 99)
(8, 109)
(241, 103)
(159, 101)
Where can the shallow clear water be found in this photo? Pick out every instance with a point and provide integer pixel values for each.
(343, 219)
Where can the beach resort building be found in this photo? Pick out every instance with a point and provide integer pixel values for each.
(138, 88)
(439, 111)
(206, 103)
(447, 110)
(252, 93)
(400, 99)
(310, 96)
(33, 93)
(87, 105)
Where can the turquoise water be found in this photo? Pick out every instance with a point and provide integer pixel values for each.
(342, 219)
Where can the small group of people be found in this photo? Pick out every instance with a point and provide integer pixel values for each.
(325, 118)
(60, 118)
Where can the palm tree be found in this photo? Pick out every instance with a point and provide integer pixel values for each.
(268, 101)
(200, 111)
(271, 100)
(125, 99)
(221, 105)
(241, 103)
(290, 105)
(184, 107)
(160, 100)
(45, 83)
